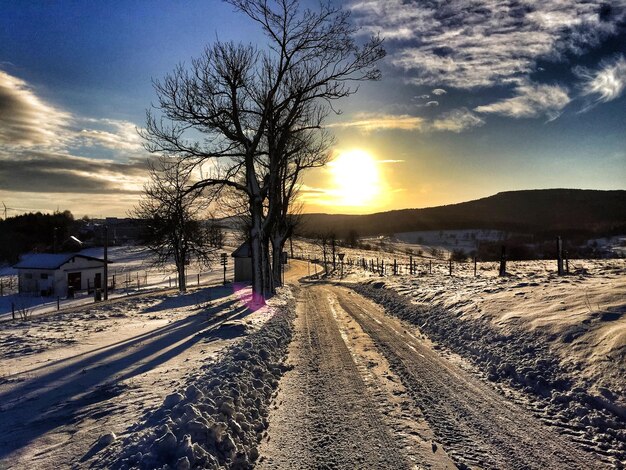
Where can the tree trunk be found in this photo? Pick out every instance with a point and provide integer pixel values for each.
(256, 252)
(182, 282)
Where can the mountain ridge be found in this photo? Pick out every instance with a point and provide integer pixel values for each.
(537, 211)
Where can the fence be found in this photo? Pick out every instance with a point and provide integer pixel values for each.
(121, 283)
(420, 266)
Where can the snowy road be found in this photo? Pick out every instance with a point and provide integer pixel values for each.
(367, 391)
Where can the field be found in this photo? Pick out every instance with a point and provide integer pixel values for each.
(422, 369)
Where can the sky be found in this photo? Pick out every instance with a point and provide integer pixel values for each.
(477, 97)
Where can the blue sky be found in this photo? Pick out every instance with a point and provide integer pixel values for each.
(477, 97)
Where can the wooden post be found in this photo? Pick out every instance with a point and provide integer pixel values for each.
(475, 272)
(559, 256)
(1, 287)
(395, 267)
(430, 266)
(566, 262)
(198, 278)
(382, 267)
(410, 265)
(13, 310)
(170, 280)
(58, 303)
(502, 271)
(106, 262)
(113, 286)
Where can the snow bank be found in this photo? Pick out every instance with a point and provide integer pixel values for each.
(218, 419)
(522, 360)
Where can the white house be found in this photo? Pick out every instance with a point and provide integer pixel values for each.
(53, 274)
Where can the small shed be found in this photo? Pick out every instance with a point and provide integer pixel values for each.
(243, 263)
(53, 274)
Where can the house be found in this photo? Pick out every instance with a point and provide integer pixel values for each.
(243, 263)
(59, 274)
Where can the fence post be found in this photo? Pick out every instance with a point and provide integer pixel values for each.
(430, 266)
(566, 262)
(559, 256)
(395, 267)
(1, 287)
(502, 271)
(13, 310)
(198, 278)
(58, 303)
(475, 272)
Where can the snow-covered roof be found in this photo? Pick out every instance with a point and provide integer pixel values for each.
(243, 251)
(49, 260)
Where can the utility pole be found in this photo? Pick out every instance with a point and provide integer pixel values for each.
(5, 210)
(106, 262)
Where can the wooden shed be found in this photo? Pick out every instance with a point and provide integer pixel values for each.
(243, 263)
(54, 274)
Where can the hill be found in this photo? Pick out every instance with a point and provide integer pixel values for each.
(539, 212)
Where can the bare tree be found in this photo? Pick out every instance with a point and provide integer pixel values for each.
(251, 106)
(174, 231)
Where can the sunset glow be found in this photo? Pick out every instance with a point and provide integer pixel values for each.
(356, 179)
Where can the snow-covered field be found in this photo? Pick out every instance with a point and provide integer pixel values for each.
(67, 379)
(560, 340)
(162, 380)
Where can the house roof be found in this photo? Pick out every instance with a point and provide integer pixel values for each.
(49, 260)
(243, 251)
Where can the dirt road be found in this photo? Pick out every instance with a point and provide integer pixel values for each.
(368, 391)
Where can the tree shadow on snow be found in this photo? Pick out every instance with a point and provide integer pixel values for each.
(61, 395)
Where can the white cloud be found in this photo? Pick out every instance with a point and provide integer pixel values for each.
(531, 100)
(112, 134)
(607, 83)
(457, 121)
(431, 104)
(367, 122)
(479, 43)
(439, 91)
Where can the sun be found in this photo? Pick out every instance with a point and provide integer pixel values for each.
(357, 181)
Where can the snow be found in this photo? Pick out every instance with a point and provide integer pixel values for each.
(133, 271)
(92, 372)
(217, 419)
(559, 340)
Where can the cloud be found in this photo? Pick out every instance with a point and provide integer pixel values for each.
(457, 121)
(367, 122)
(25, 119)
(42, 147)
(439, 91)
(480, 43)
(431, 104)
(531, 100)
(34, 171)
(605, 84)
(389, 161)
(112, 134)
